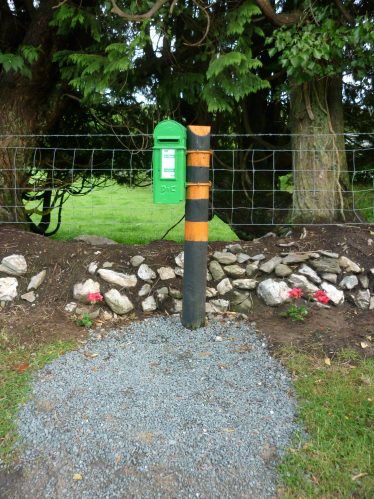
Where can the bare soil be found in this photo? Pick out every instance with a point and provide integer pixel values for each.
(324, 330)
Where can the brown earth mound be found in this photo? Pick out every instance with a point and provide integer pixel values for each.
(66, 263)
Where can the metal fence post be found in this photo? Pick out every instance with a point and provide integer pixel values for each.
(196, 226)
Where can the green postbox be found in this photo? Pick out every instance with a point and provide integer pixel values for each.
(169, 162)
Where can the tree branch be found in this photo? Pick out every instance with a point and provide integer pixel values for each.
(278, 19)
(138, 17)
(204, 9)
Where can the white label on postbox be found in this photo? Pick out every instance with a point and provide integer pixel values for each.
(168, 164)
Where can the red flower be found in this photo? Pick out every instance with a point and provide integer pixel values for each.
(321, 296)
(295, 293)
(94, 297)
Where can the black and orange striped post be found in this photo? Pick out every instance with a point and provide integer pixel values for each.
(196, 226)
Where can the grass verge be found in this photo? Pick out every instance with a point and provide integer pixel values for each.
(17, 364)
(128, 216)
(336, 410)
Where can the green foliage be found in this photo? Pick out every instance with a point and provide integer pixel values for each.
(239, 18)
(230, 78)
(296, 312)
(336, 409)
(85, 321)
(232, 73)
(320, 45)
(21, 62)
(68, 17)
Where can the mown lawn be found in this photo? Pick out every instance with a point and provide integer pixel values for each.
(128, 216)
(336, 408)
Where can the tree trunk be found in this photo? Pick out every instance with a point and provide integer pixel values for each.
(319, 161)
(27, 107)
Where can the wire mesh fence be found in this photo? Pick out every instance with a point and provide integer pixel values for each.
(85, 183)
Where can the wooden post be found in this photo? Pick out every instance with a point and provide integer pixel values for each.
(196, 226)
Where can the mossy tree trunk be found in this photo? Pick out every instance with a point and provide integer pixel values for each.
(27, 107)
(319, 160)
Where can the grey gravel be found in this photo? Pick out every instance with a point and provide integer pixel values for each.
(160, 411)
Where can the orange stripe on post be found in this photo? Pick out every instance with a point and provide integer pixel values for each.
(197, 158)
(199, 130)
(198, 191)
(196, 231)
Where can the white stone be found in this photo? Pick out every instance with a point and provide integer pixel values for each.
(216, 270)
(177, 306)
(8, 288)
(175, 293)
(145, 290)
(282, 270)
(220, 306)
(70, 307)
(362, 299)
(179, 259)
(113, 277)
(364, 281)
(251, 269)
(161, 294)
(211, 292)
(349, 282)
(166, 273)
(273, 292)
(120, 304)
(371, 306)
(245, 283)
(309, 272)
(335, 295)
(242, 257)
(348, 265)
(146, 273)
(178, 271)
(107, 265)
(209, 308)
(224, 286)
(258, 258)
(300, 281)
(270, 265)
(234, 248)
(92, 268)
(137, 260)
(330, 254)
(81, 290)
(30, 296)
(333, 278)
(14, 265)
(234, 270)
(94, 240)
(149, 304)
(224, 258)
(295, 258)
(37, 280)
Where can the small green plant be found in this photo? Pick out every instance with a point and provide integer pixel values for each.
(85, 321)
(297, 311)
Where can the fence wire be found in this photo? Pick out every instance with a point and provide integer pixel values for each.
(256, 180)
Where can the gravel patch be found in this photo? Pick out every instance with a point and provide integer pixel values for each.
(155, 410)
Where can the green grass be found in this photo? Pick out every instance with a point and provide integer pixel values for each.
(17, 364)
(128, 216)
(336, 409)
